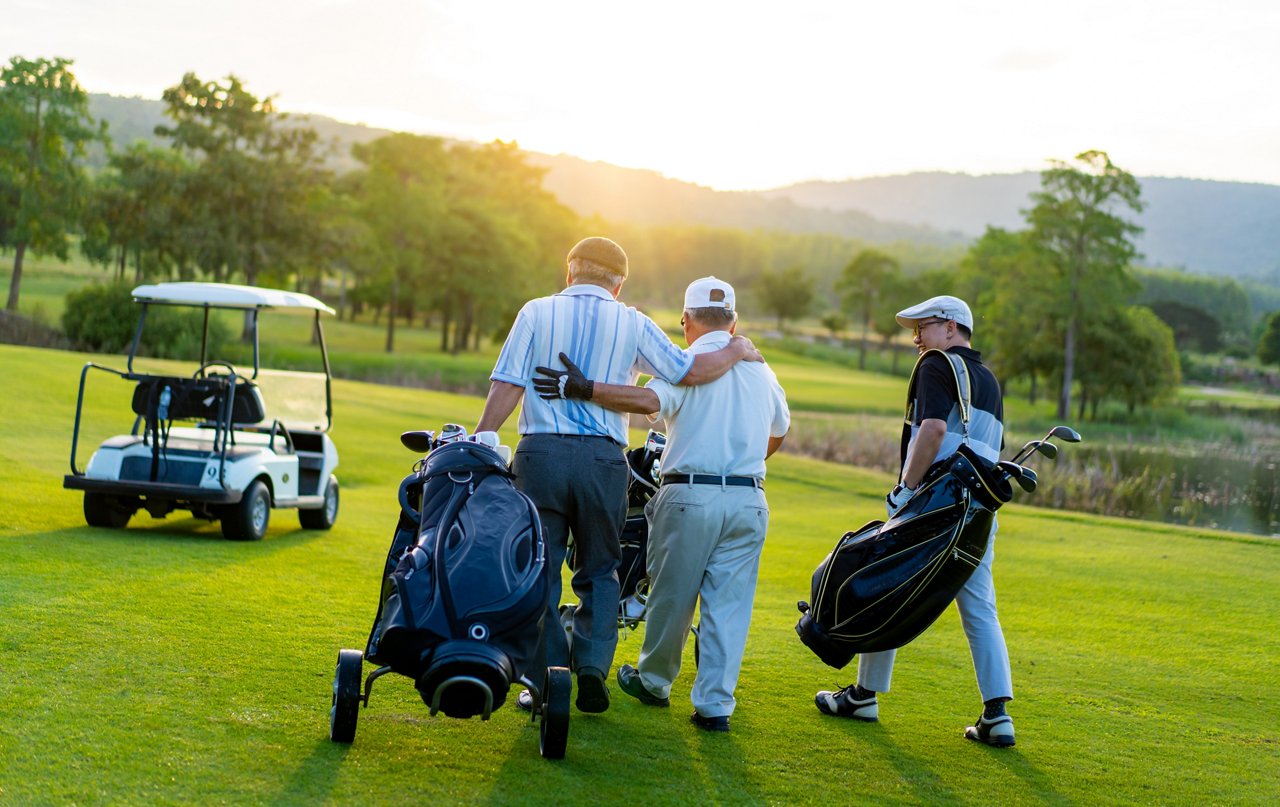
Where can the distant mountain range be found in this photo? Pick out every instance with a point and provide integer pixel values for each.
(1202, 226)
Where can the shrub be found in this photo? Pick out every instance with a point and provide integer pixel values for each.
(103, 317)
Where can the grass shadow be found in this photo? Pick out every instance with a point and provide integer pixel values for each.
(312, 780)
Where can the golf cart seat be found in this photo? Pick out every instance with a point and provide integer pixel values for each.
(199, 399)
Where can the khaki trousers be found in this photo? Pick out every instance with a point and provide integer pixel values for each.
(704, 550)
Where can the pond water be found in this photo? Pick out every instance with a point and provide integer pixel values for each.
(1225, 489)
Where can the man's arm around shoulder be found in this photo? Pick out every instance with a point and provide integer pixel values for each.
(707, 367)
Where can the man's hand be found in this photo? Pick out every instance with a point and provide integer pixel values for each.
(568, 384)
(749, 349)
(899, 496)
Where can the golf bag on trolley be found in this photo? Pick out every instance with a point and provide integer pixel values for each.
(465, 582)
(645, 466)
(885, 583)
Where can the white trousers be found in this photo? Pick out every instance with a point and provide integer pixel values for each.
(704, 545)
(976, 603)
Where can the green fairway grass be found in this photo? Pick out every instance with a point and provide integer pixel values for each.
(161, 664)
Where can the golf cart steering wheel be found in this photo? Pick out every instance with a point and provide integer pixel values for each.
(200, 371)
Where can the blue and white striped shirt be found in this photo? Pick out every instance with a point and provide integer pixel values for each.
(609, 341)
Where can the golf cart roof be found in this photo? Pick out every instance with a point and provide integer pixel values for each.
(225, 295)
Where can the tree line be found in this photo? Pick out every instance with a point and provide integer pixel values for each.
(462, 232)
(460, 235)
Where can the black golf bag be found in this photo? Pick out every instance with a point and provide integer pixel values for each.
(885, 583)
(465, 582)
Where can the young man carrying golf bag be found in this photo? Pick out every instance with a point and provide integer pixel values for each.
(935, 430)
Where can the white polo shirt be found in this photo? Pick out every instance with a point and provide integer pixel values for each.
(609, 341)
(722, 428)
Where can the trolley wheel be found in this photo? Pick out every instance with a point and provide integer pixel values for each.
(346, 696)
(697, 650)
(554, 732)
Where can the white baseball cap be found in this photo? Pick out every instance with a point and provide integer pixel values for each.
(942, 307)
(709, 292)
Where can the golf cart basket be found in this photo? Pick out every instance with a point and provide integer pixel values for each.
(884, 584)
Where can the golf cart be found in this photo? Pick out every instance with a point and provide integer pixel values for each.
(232, 458)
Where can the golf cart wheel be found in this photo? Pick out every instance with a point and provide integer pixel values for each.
(554, 731)
(345, 710)
(104, 510)
(324, 517)
(247, 521)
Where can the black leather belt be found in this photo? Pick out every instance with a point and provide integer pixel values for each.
(710, 479)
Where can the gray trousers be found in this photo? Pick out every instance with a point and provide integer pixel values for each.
(579, 485)
(976, 603)
(704, 550)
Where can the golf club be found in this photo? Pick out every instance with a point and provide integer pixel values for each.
(1023, 476)
(1064, 433)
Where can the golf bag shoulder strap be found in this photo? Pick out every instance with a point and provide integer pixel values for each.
(959, 373)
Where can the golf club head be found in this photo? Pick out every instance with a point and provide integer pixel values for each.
(1048, 449)
(419, 442)
(1025, 477)
(1065, 433)
(1029, 480)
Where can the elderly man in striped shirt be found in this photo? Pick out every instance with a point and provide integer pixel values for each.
(570, 456)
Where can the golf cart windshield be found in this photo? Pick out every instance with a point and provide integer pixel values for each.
(295, 399)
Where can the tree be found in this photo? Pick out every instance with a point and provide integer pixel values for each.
(835, 321)
(246, 202)
(897, 291)
(1192, 325)
(1269, 344)
(403, 205)
(859, 287)
(44, 128)
(1009, 280)
(1132, 358)
(787, 294)
(134, 210)
(1087, 246)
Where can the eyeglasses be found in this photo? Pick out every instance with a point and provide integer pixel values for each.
(920, 326)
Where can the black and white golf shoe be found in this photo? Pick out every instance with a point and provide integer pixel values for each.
(994, 731)
(844, 702)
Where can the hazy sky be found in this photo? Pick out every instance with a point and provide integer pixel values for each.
(728, 94)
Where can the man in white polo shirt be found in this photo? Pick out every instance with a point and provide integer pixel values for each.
(707, 522)
(569, 460)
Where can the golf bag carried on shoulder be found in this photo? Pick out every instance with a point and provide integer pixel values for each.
(884, 584)
(465, 582)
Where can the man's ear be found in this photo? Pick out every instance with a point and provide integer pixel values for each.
(616, 290)
(733, 328)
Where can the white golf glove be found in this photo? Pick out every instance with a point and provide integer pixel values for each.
(897, 497)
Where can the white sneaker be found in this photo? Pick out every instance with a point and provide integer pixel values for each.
(995, 731)
(842, 703)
